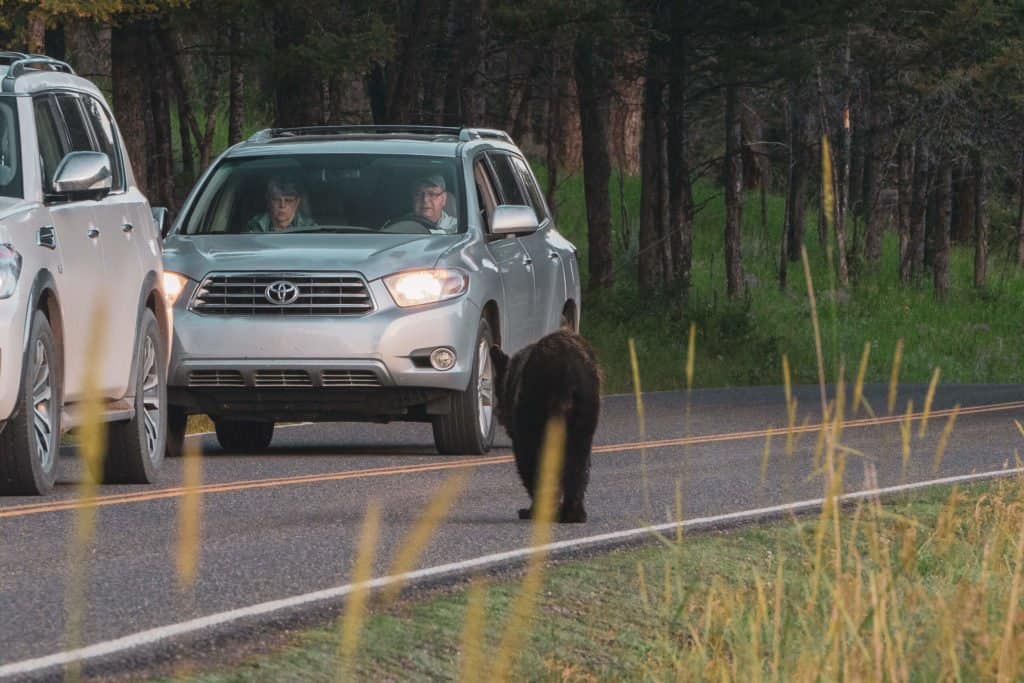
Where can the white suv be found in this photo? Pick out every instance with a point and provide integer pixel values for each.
(79, 248)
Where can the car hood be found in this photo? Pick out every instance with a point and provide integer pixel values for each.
(373, 255)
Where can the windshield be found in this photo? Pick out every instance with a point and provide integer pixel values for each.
(10, 150)
(329, 193)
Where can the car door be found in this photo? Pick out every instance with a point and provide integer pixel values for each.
(124, 221)
(72, 232)
(514, 266)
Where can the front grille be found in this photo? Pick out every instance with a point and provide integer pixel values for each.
(315, 295)
(281, 378)
(349, 378)
(215, 378)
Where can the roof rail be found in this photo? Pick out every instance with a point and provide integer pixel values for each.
(19, 62)
(365, 129)
(467, 134)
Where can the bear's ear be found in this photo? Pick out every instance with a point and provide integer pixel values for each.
(499, 359)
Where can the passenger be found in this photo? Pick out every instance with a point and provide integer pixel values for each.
(284, 208)
(428, 201)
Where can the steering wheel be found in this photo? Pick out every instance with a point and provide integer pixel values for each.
(410, 223)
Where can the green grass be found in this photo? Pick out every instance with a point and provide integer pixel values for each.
(921, 587)
(972, 337)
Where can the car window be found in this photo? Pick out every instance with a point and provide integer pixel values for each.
(10, 150)
(533, 192)
(508, 179)
(485, 196)
(341, 193)
(78, 128)
(51, 145)
(103, 128)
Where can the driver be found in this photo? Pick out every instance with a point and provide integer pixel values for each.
(428, 201)
(284, 207)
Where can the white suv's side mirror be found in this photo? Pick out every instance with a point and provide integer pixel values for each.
(160, 220)
(83, 172)
(513, 219)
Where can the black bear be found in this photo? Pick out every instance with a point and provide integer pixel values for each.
(556, 376)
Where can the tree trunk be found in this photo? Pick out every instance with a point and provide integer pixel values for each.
(680, 190)
(553, 123)
(472, 95)
(963, 225)
(650, 252)
(406, 67)
(130, 95)
(1020, 215)
(905, 185)
(872, 183)
(843, 195)
(980, 221)
(298, 91)
(733, 190)
(236, 87)
(943, 196)
(35, 32)
(914, 260)
(592, 68)
(796, 195)
(160, 160)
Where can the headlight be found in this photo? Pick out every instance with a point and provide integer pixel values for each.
(417, 287)
(10, 269)
(174, 285)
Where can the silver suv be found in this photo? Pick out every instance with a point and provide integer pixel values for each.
(360, 273)
(79, 249)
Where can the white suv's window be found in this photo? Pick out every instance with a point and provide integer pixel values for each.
(51, 148)
(103, 128)
(330, 193)
(10, 150)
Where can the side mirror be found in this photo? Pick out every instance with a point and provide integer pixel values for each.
(160, 221)
(83, 172)
(513, 219)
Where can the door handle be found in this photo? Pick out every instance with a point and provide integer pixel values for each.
(527, 260)
(93, 233)
(553, 255)
(127, 227)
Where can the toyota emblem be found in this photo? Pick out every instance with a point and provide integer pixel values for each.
(281, 292)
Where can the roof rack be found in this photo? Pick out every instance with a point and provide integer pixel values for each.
(463, 134)
(20, 62)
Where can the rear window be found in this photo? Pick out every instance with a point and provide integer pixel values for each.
(356, 193)
(10, 150)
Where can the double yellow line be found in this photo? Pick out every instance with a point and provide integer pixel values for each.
(227, 487)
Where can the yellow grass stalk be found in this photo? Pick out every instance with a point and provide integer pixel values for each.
(817, 329)
(544, 507)
(1007, 651)
(858, 388)
(190, 510)
(92, 451)
(754, 623)
(473, 627)
(790, 404)
(947, 432)
(679, 512)
(777, 608)
(667, 588)
(897, 356)
(877, 631)
(691, 348)
(1020, 427)
(355, 606)
(928, 402)
(416, 541)
(638, 392)
(905, 430)
(766, 454)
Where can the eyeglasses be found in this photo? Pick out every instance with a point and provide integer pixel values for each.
(433, 196)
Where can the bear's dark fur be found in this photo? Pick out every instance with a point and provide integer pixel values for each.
(556, 376)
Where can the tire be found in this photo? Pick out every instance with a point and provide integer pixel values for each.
(469, 427)
(244, 435)
(30, 443)
(137, 445)
(177, 421)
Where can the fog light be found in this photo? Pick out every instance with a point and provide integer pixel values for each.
(442, 358)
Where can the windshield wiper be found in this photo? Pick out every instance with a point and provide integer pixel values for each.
(330, 228)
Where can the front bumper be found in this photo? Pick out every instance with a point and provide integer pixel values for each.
(269, 355)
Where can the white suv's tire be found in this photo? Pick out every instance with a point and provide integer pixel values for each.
(30, 443)
(469, 427)
(243, 435)
(137, 445)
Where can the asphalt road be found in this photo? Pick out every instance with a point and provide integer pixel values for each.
(286, 522)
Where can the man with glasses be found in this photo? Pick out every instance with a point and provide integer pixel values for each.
(428, 201)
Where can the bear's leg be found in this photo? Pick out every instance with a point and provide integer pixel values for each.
(576, 470)
(526, 463)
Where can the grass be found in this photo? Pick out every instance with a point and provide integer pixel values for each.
(972, 336)
(924, 588)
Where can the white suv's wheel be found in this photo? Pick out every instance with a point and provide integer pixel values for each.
(469, 427)
(137, 445)
(30, 442)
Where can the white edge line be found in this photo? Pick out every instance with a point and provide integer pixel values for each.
(160, 633)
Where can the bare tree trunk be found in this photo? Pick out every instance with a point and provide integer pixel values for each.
(914, 258)
(1020, 215)
(553, 121)
(943, 196)
(130, 100)
(680, 191)
(980, 221)
(298, 91)
(796, 196)
(843, 196)
(592, 69)
(733, 190)
(35, 32)
(406, 66)
(905, 184)
(872, 183)
(473, 56)
(160, 160)
(963, 225)
(236, 87)
(650, 260)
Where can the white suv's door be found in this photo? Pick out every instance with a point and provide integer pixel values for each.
(118, 217)
(77, 240)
